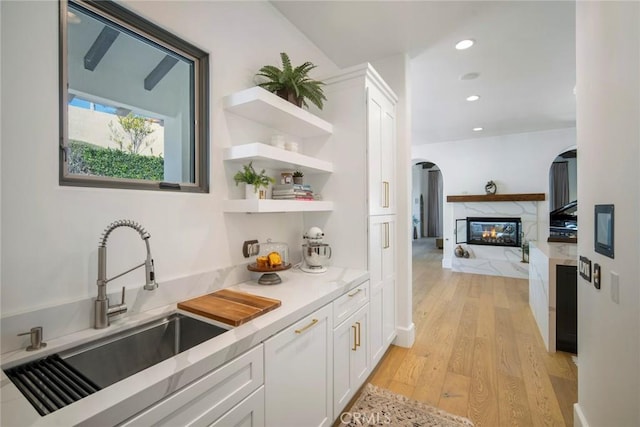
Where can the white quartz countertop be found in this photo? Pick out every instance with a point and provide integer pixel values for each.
(301, 293)
(555, 250)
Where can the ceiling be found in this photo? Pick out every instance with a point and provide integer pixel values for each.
(524, 54)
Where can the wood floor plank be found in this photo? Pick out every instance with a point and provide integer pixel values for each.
(513, 401)
(506, 347)
(455, 394)
(543, 404)
(486, 317)
(410, 370)
(559, 364)
(479, 331)
(475, 288)
(461, 359)
(566, 392)
(483, 391)
(401, 388)
(383, 374)
(500, 298)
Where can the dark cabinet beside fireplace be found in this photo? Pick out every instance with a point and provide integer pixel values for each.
(567, 308)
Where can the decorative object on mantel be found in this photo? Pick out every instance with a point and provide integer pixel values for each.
(256, 183)
(292, 84)
(524, 197)
(490, 187)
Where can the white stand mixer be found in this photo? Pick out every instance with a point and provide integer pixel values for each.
(315, 253)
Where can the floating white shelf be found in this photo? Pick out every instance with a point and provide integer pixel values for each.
(264, 107)
(269, 205)
(269, 157)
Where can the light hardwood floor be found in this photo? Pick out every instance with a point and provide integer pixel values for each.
(478, 352)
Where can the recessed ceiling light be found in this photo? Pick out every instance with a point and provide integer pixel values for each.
(473, 98)
(478, 129)
(464, 44)
(469, 76)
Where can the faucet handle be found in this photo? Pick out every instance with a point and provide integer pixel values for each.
(123, 293)
(36, 338)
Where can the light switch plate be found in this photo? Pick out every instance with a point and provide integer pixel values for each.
(597, 276)
(615, 287)
(250, 247)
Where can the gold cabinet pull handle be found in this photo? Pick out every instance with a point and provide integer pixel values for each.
(385, 184)
(386, 236)
(301, 330)
(355, 338)
(358, 341)
(353, 294)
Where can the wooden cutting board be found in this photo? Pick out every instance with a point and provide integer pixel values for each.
(231, 307)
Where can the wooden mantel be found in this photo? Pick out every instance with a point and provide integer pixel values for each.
(525, 197)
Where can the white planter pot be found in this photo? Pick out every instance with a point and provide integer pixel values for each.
(250, 192)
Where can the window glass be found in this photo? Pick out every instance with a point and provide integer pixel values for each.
(134, 102)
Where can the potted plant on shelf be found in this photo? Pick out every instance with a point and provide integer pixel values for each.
(297, 176)
(256, 183)
(292, 84)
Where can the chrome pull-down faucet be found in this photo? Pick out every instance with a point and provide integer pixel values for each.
(103, 311)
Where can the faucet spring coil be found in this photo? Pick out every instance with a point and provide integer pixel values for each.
(122, 223)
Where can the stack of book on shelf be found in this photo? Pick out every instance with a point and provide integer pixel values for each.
(292, 192)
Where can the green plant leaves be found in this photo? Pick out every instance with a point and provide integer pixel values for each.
(290, 80)
(88, 159)
(248, 175)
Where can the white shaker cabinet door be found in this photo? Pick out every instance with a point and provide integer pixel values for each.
(299, 373)
(352, 358)
(381, 152)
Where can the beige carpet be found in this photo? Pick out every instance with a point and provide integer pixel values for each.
(379, 407)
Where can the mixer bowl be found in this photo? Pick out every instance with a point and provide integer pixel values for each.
(316, 256)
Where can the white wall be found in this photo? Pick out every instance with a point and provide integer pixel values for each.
(608, 133)
(50, 233)
(517, 163)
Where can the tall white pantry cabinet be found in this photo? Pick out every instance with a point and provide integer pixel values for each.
(361, 228)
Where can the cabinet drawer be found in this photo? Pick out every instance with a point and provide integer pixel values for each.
(248, 413)
(209, 397)
(350, 302)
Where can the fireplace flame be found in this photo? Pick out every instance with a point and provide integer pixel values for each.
(490, 233)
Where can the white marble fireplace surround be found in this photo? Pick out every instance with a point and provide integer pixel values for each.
(495, 260)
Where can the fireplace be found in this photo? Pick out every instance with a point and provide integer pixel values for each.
(494, 231)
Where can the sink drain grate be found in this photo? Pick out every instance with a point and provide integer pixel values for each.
(50, 383)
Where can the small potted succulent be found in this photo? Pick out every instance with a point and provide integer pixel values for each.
(256, 183)
(292, 84)
(297, 176)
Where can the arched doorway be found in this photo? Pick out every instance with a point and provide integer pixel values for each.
(563, 197)
(427, 204)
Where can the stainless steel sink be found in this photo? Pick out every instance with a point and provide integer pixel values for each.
(58, 380)
(119, 356)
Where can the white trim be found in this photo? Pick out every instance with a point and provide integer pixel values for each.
(579, 420)
(363, 70)
(405, 336)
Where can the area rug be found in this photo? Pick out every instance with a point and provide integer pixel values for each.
(379, 407)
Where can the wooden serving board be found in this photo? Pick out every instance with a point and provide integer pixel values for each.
(231, 307)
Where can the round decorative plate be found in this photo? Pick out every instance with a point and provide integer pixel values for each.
(254, 267)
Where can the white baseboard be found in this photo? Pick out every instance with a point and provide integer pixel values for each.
(405, 337)
(579, 419)
(447, 263)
